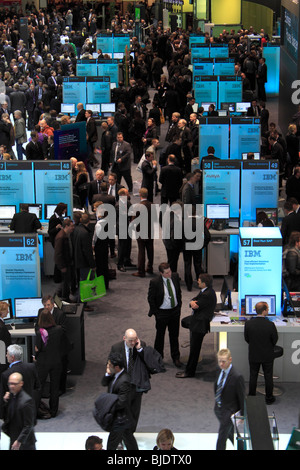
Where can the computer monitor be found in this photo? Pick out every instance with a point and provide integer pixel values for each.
(36, 209)
(108, 107)
(205, 106)
(49, 210)
(222, 113)
(272, 214)
(287, 303)
(10, 311)
(113, 85)
(67, 108)
(94, 107)
(217, 211)
(7, 213)
(27, 307)
(256, 155)
(252, 300)
(242, 107)
(228, 107)
(118, 55)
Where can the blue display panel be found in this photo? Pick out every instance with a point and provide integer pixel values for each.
(200, 50)
(202, 67)
(105, 43)
(219, 51)
(74, 90)
(98, 89)
(195, 40)
(224, 67)
(206, 89)
(230, 89)
(272, 55)
(20, 273)
(221, 184)
(53, 183)
(86, 68)
(260, 263)
(259, 188)
(214, 132)
(108, 68)
(70, 141)
(244, 136)
(120, 42)
(16, 182)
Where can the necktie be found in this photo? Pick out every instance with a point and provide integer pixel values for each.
(110, 190)
(219, 389)
(171, 294)
(98, 186)
(130, 362)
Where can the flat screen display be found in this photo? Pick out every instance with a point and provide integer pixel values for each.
(28, 307)
(68, 108)
(252, 300)
(217, 211)
(7, 212)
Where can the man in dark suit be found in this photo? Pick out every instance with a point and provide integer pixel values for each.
(95, 185)
(91, 130)
(121, 160)
(262, 78)
(171, 181)
(149, 171)
(290, 222)
(164, 298)
(188, 194)
(31, 101)
(114, 187)
(52, 83)
(210, 156)
(144, 236)
(34, 148)
(63, 258)
(81, 113)
(24, 221)
(261, 335)
(104, 196)
(129, 349)
(254, 109)
(118, 382)
(203, 306)
(19, 415)
(32, 384)
(229, 397)
(58, 315)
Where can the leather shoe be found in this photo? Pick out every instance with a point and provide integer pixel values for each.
(122, 269)
(177, 363)
(149, 271)
(138, 274)
(182, 375)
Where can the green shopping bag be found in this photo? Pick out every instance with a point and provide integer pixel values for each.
(92, 289)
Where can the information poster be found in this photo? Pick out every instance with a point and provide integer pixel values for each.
(219, 51)
(120, 42)
(214, 132)
(224, 67)
(230, 89)
(16, 182)
(86, 68)
(104, 42)
(200, 50)
(74, 90)
(202, 67)
(260, 263)
(244, 136)
(53, 183)
(196, 40)
(108, 68)
(20, 273)
(221, 184)
(98, 89)
(259, 188)
(206, 89)
(70, 141)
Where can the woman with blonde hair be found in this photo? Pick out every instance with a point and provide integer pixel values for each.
(81, 183)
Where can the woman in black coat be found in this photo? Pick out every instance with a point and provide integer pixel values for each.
(292, 147)
(151, 133)
(81, 183)
(51, 346)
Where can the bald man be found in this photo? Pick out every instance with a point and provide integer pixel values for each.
(19, 415)
(94, 186)
(131, 344)
(81, 113)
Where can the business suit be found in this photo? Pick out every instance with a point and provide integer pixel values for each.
(34, 151)
(80, 116)
(122, 151)
(145, 243)
(262, 78)
(49, 362)
(290, 223)
(94, 188)
(6, 338)
(25, 222)
(171, 182)
(135, 396)
(19, 420)
(262, 336)
(32, 384)
(149, 174)
(199, 326)
(231, 401)
(121, 387)
(63, 258)
(91, 133)
(168, 316)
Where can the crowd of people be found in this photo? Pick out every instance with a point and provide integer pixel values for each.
(159, 91)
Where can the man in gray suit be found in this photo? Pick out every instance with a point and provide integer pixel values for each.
(121, 160)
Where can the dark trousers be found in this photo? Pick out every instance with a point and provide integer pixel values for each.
(68, 284)
(119, 435)
(188, 257)
(101, 258)
(173, 257)
(127, 177)
(226, 429)
(124, 251)
(54, 372)
(195, 348)
(170, 319)
(135, 406)
(268, 374)
(145, 246)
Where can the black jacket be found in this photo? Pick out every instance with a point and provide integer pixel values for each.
(261, 335)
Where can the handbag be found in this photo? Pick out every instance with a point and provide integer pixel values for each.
(186, 321)
(92, 289)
